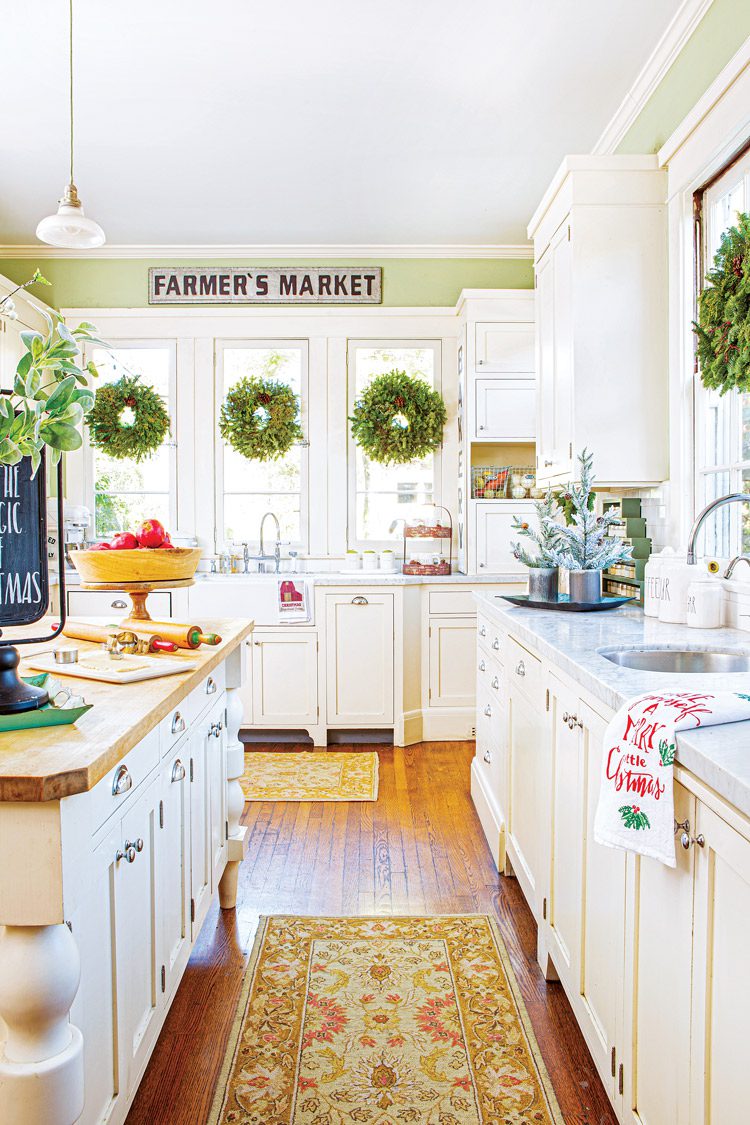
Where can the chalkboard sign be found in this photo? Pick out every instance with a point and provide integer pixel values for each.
(24, 576)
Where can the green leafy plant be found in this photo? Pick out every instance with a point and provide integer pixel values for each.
(50, 390)
(544, 538)
(260, 418)
(723, 325)
(128, 419)
(398, 418)
(633, 817)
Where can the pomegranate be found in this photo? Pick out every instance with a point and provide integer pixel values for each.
(151, 534)
(100, 547)
(125, 541)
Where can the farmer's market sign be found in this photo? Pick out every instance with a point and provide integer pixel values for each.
(265, 285)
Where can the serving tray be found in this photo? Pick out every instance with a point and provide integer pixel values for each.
(564, 603)
(47, 716)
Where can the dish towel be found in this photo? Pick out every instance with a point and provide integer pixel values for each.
(636, 799)
(292, 600)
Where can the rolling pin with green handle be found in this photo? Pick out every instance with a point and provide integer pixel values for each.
(100, 634)
(184, 636)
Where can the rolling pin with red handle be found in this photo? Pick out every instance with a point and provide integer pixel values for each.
(184, 636)
(100, 634)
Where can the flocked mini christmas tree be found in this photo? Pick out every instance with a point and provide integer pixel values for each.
(585, 543)
(543, 538)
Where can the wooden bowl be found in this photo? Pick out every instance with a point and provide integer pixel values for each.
(144, 565)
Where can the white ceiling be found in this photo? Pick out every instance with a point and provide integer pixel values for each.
(336, 121)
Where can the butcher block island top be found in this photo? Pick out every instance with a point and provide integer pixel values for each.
(45, 764)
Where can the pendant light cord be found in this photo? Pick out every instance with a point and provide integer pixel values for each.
(70, 59)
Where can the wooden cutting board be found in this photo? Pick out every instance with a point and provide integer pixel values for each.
(97, 665)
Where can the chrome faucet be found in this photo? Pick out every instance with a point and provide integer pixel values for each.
(731, 498)
(277, 549)
(734, 563)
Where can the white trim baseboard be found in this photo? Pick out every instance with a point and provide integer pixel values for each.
(684, 23)
(321, 251)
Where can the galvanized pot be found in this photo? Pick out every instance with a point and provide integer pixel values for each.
(585, 585)
(543, 583)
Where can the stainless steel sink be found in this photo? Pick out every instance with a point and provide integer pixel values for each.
(680, 660)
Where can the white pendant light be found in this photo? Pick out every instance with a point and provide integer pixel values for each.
(69, 227)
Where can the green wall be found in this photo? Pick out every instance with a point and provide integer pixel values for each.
(719, 35)
(123, 283)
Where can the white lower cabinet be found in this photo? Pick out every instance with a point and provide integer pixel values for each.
(282, 684)
(451, 661)
(360, 643)
(528, 770)
(174, 815)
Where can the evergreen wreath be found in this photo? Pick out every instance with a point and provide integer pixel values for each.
(260, 418)
(135, 435)
(398, 418)
(723, 325)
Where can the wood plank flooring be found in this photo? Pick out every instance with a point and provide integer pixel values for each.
(418, 850)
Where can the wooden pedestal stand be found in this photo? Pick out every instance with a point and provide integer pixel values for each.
(138, 593)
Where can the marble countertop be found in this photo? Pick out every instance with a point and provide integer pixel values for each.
(370, 578)
(719, 756)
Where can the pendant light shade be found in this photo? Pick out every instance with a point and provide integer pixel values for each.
(69, 227)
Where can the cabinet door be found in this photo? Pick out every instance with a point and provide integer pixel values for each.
(200, 825)
(505, 348)
(545, 358)
(95, 1009)
(138, 906)
(657, 1001)
(721, 982)
(284, 679)
(216, 757)
(494, 534)
(599, 1001)
(527, 772)
(566, 833)
(175, 863)
(563, 352)
(452, 649)
(505, 410)
(359, 658)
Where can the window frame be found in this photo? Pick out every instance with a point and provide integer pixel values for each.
(172, 442)
(706, 235)
(222, 344)
(352, 344)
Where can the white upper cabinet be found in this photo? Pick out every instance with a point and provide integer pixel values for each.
(600, 247)
(504, 349)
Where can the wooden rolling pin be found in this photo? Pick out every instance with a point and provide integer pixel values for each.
(184, 636)
(100, 634)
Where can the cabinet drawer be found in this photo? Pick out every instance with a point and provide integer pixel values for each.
(176, 724)
(115, 605)
(489, 637)
(452, 601)
(524, 670)
(130, 772)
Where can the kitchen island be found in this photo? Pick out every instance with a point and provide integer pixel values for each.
(646, 953)
(115, 836)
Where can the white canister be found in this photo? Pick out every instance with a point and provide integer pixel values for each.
(675, 577)
(369, 560)
(705, 602)
(387, 560)
(652, 581)
(352, 560)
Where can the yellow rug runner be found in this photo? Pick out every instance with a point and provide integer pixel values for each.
(326, 776)
(382, 1021)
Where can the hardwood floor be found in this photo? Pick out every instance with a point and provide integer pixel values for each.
(418, 850)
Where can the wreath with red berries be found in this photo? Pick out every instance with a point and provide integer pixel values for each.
(723, 326)
(398, 418)
(260, 418)
(128, 420)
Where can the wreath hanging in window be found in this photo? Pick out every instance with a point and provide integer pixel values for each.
(128, 419)
(260, 418)
(723, 325)
(398, 418)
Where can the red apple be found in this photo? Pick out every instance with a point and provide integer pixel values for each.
(151, 534)
(100, 547)
(125, 541)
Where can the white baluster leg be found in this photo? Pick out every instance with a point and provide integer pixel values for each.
(238, 838)
(41, 1061)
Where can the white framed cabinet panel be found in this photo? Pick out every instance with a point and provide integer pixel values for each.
(174, 819)
(505, 410)
(492, 534)
(504, 348)
(359, 664)
(283, 678)
(452, 681)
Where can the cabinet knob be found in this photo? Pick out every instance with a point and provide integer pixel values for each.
(482, 631)
(496, 644)
(547, 464)
(359, 600)
(136, 844)
(687, 840)
(119, 604)
(487, 757)
(481, 567)
(488, 711)
(482, 666)
(122, 781)
(480, 363)
(566, 717)
(210, 686)
(128, 854)
(178, 771)
(481, 427)
(496, 683)
(520, 668)
(178, 723)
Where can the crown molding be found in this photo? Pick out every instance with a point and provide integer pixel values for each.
(684, 23)
(267, 251)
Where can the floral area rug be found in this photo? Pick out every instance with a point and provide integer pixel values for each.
(382, 1021)
(310, 776)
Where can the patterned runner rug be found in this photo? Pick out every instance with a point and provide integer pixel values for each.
(310, 776)
(382, 1021)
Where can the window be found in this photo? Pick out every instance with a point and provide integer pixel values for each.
(722, 437)
(382, 494)
(249, 489)
(125, 493)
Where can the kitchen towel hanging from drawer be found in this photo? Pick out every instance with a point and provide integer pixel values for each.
(293, 600)
(636, 798)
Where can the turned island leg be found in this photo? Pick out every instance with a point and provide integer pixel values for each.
(237, 839)
(41, 1061)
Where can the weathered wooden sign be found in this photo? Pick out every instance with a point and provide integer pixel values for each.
(265, 285)
(24, 582)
